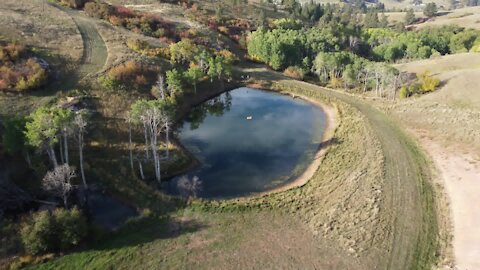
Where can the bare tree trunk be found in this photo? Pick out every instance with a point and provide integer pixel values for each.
(130, 144)
(28, 159)
(65, 148)
(80, 152)
(146, 140)
(52, 156)
(65, 198)
(140, 168)
(167, 135)
(62, 159)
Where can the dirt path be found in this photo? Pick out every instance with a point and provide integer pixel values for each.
(460, 175)
(408, 194)
(94, 49)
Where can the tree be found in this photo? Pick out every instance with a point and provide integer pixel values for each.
(80, 124)
(183, 51)
(152, 115)
(219, 13)
(65, 117)
(14, 135)
(49, 232)
(193, 75)
(383, 21)
(189, 187)
(371, 19)
(159, 88)
(409, 17)
(59, 181)
(43, 127)
(174, 81)
(261, 20)
(430, 10)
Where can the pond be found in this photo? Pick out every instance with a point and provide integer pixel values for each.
(247, 141)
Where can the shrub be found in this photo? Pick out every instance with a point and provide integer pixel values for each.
(45, 232)
(98, 10)
(129, 74)
(294, 72)
(73, 3)
(37, 233)
(427, 82)
(17, 71)
(71, 227)
(404, 93)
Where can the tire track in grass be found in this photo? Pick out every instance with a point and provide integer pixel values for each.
(412, 240)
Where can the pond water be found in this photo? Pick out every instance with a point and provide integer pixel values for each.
(247, 141)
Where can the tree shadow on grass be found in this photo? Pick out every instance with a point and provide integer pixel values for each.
(148, 229)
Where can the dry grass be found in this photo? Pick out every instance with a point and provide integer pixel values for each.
(452, 113)
(468, 17)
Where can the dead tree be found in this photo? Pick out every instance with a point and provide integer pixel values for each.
(58, 182)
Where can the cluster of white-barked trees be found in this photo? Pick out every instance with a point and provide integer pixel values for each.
(154, 118)
(347, 70)
(49, 129)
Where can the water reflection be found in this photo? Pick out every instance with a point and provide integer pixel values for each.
(240, 156)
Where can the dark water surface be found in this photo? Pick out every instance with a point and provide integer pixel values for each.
(240, 156)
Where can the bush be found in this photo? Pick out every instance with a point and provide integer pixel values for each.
(427, 82)
(45, 232)
(404, 93)
(73, 3)
(71, 227)
(19, 72)
(98, 10)
(37, 233)
(294, 72)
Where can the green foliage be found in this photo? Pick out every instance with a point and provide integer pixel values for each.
(371, 19)
(71, 227)
(280, 48)
(37, 233)
(464, 41)
(287, 23)
(404, 93)
(193, 75)
(430, 10)
(409, 17)
(183, 51)
(175, 81)
(43, 125)
(388, 45)
(45, 232)
(427, 82)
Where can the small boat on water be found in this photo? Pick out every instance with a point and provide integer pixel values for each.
(249, 117)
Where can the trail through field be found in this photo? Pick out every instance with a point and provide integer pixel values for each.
(65, 77)
(461, 176)
(409, 198)
(94, 49)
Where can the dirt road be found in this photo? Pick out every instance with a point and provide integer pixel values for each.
(409, 198)
(460, 173)
(94, 49)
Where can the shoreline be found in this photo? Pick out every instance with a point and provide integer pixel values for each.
(330, 126)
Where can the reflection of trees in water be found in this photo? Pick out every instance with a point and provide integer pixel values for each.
(189, 187)
(216, 106)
